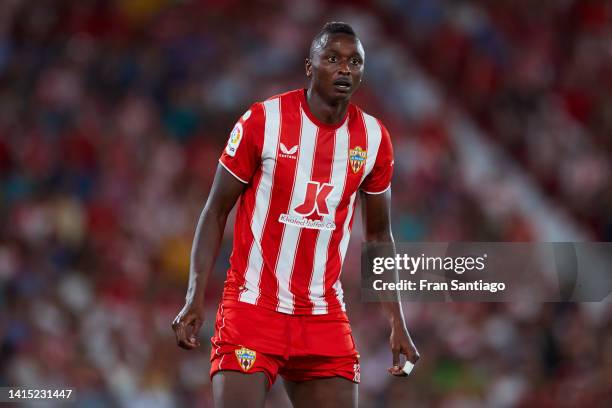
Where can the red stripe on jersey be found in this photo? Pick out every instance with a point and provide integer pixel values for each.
(244, 219)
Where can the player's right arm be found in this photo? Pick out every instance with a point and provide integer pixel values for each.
(223, 195)
(239, 162)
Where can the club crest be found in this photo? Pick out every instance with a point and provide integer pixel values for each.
(245, 357)
(357, 158)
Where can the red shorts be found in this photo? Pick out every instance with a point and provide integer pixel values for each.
(252, 339)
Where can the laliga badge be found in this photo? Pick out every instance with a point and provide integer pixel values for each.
(357, 158)
(245, 357)
(234, 140)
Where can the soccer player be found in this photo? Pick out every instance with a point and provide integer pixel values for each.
(295, 163)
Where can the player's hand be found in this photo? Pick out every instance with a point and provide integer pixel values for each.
(186, 326)
(401, 343)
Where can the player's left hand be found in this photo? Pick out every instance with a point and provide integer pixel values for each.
(401, 343)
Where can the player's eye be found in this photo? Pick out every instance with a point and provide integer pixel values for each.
(355, 61)
(332, 59)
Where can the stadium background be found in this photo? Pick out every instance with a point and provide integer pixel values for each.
(113, 115)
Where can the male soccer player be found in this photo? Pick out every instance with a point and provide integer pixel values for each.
(296, 163)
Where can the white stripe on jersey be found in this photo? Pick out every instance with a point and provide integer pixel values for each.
(338, 179)
(291, 234)
(262, 199)
(374, 137)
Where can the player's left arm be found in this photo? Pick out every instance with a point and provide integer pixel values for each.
(376, 210)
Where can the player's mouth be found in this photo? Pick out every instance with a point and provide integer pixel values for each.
(342, 85)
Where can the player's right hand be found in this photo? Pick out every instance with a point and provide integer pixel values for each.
(186, 326)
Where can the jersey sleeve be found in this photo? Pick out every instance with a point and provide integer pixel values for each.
(379, 179)
(242, 154)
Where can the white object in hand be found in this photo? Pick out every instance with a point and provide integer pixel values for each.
(408, 367)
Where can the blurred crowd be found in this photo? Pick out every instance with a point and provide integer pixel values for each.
(113, 115)
(537, 77)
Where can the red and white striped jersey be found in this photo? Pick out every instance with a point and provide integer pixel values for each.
(295, 215)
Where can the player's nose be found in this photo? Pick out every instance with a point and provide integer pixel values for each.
(343, 68)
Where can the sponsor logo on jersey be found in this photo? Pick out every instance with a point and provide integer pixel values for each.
(315, 199)
(315, 202)
(357, 158)
(246, 358)
(303, 222)
(288, 153)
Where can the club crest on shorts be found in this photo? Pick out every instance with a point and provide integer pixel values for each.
(357, 158)
(245, 357)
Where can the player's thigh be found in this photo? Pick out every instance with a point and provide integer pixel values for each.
(233, 389)
(322, 393)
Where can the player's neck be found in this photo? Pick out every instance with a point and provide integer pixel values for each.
(330, 113)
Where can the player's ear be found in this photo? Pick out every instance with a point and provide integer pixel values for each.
(308, 64)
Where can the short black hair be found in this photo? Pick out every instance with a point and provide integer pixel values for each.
(332, 27)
